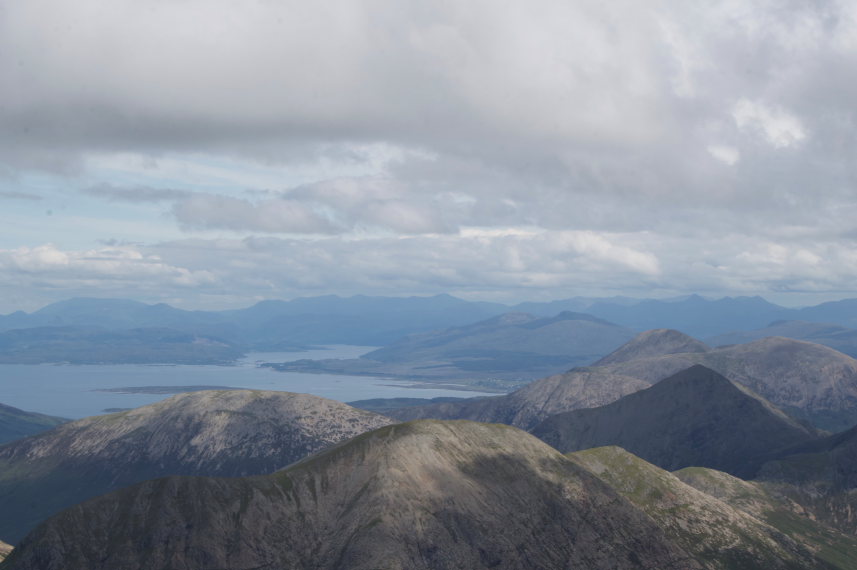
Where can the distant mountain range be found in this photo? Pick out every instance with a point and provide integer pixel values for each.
(97, 345)
(431, 339)
(514, 346)
(377, 321)
(218, 433)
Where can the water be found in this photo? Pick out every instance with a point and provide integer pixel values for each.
(70, 391)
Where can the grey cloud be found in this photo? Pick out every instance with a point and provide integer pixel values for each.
(5, 195)
(593, 118)
(136, 194)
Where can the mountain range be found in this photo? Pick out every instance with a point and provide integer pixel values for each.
(218, 433)
(422, 495)
(513, 346)
(696, 417)
(375, 321)
(809, 381)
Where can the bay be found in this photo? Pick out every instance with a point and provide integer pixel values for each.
(72, 391)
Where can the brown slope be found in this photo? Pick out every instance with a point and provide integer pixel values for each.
(224, 433)
(422, 495)
(696, 417)
(716, 532)
(821, 476)
(766, 502)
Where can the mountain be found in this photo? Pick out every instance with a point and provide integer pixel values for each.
(767, 502)
(582, 387)
(223, 433)
(15, 423)
(837, 337)
(95, 345)
(843, 312)
(270, 325)
(656, 342)
(694, 418)
(5, 549)
(821, 476)
(526, 407)
(807, 380)
(711, 528)
(512, 346)
(692, 315)
(422, 495)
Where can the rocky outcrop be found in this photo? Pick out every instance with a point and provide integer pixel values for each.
(223, 433)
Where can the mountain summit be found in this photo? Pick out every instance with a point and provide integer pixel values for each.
(694, 418)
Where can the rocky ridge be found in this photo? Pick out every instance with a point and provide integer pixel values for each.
(694, 418)
(709, 527)
(422, 495)
(223, 433)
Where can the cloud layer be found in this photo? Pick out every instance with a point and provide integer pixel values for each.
(541, 149)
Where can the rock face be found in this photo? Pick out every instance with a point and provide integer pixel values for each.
(696, 417)
(223, 433)
(718, 533)
(5, 549)
(422, 495)
(15, 423)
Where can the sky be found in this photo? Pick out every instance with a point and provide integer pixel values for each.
(210, 154)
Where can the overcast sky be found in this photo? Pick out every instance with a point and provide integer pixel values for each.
(213, 153)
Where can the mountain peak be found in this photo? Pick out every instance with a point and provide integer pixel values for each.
(696, 417)
(656, 342)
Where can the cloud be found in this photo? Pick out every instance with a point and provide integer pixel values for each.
(19, 196)
(436, 146)
(779, 127)
(136, 194)
(118, 266)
